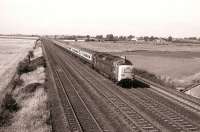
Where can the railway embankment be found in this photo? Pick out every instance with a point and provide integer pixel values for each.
(190, 87)
(24, 105)
(153, 77)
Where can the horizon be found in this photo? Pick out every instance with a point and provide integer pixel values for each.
(160, 18)
(104, 36)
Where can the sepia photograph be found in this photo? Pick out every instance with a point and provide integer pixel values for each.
(99, 66)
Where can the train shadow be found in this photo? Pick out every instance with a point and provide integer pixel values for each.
(133, 84)
(139, 84)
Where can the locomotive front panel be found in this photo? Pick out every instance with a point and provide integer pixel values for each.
(125, 72)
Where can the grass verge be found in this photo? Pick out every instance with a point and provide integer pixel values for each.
(24, 108)
(167, 82)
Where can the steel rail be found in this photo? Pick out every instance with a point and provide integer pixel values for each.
(128, 111)
(86, 119)
(185, 125)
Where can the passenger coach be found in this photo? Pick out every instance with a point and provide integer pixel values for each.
(119, 70)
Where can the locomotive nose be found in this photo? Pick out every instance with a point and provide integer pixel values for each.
(125, 76)
(125, 72)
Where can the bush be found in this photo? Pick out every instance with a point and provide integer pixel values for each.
(18, 81)
(152, 77)
(23, 67)
(31, 54)
(30, 88)
(45, 64)
(9, 103)
(5, 117)
(8, 106)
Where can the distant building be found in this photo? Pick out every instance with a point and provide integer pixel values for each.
(69, 40)
(80, 40)
(160, 41)
(91, 39)
(134, 39)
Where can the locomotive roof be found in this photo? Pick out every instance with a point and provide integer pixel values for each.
(88, 50)
(108, 57)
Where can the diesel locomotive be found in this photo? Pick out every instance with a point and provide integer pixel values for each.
(118, 69)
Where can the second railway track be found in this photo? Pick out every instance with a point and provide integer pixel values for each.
(164, 115)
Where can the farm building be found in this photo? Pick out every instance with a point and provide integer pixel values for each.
(160, 41)
(134, 39)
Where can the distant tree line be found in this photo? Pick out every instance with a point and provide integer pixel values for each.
(114, 38)
(111, 37)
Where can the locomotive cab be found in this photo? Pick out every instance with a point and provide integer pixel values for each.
(125, 71)
(117, 69)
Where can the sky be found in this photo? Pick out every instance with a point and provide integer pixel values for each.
(178, 18)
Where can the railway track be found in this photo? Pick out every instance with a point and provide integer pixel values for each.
(71, 121)
(171, 119)
(187, 101)
(165, 115)
(78, 87)
(78, 116)
(134, 120)
(138, 111)
(58, 120)
(175, 107)
(72, 80)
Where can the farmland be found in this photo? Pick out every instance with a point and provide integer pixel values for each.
(28, 94)
(11, 52)
(174, 63)
(131, 46)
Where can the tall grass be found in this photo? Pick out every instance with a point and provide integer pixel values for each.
(154, 78)
(34, 112)
(25, 109)
(8, 107)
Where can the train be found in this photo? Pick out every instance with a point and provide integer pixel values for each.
(118, 69)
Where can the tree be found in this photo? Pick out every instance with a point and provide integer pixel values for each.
(109, 37)
(125, 38)
(170, 38)
(192, 38)
(122, 38)
(130, 37)
(88, 37)
(73, 37)
(146, 38)
(152, 38)
(99, 37)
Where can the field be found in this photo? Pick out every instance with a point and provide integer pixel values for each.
(29, 111)
(131, 46)
(11, 52)
(175, 63)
